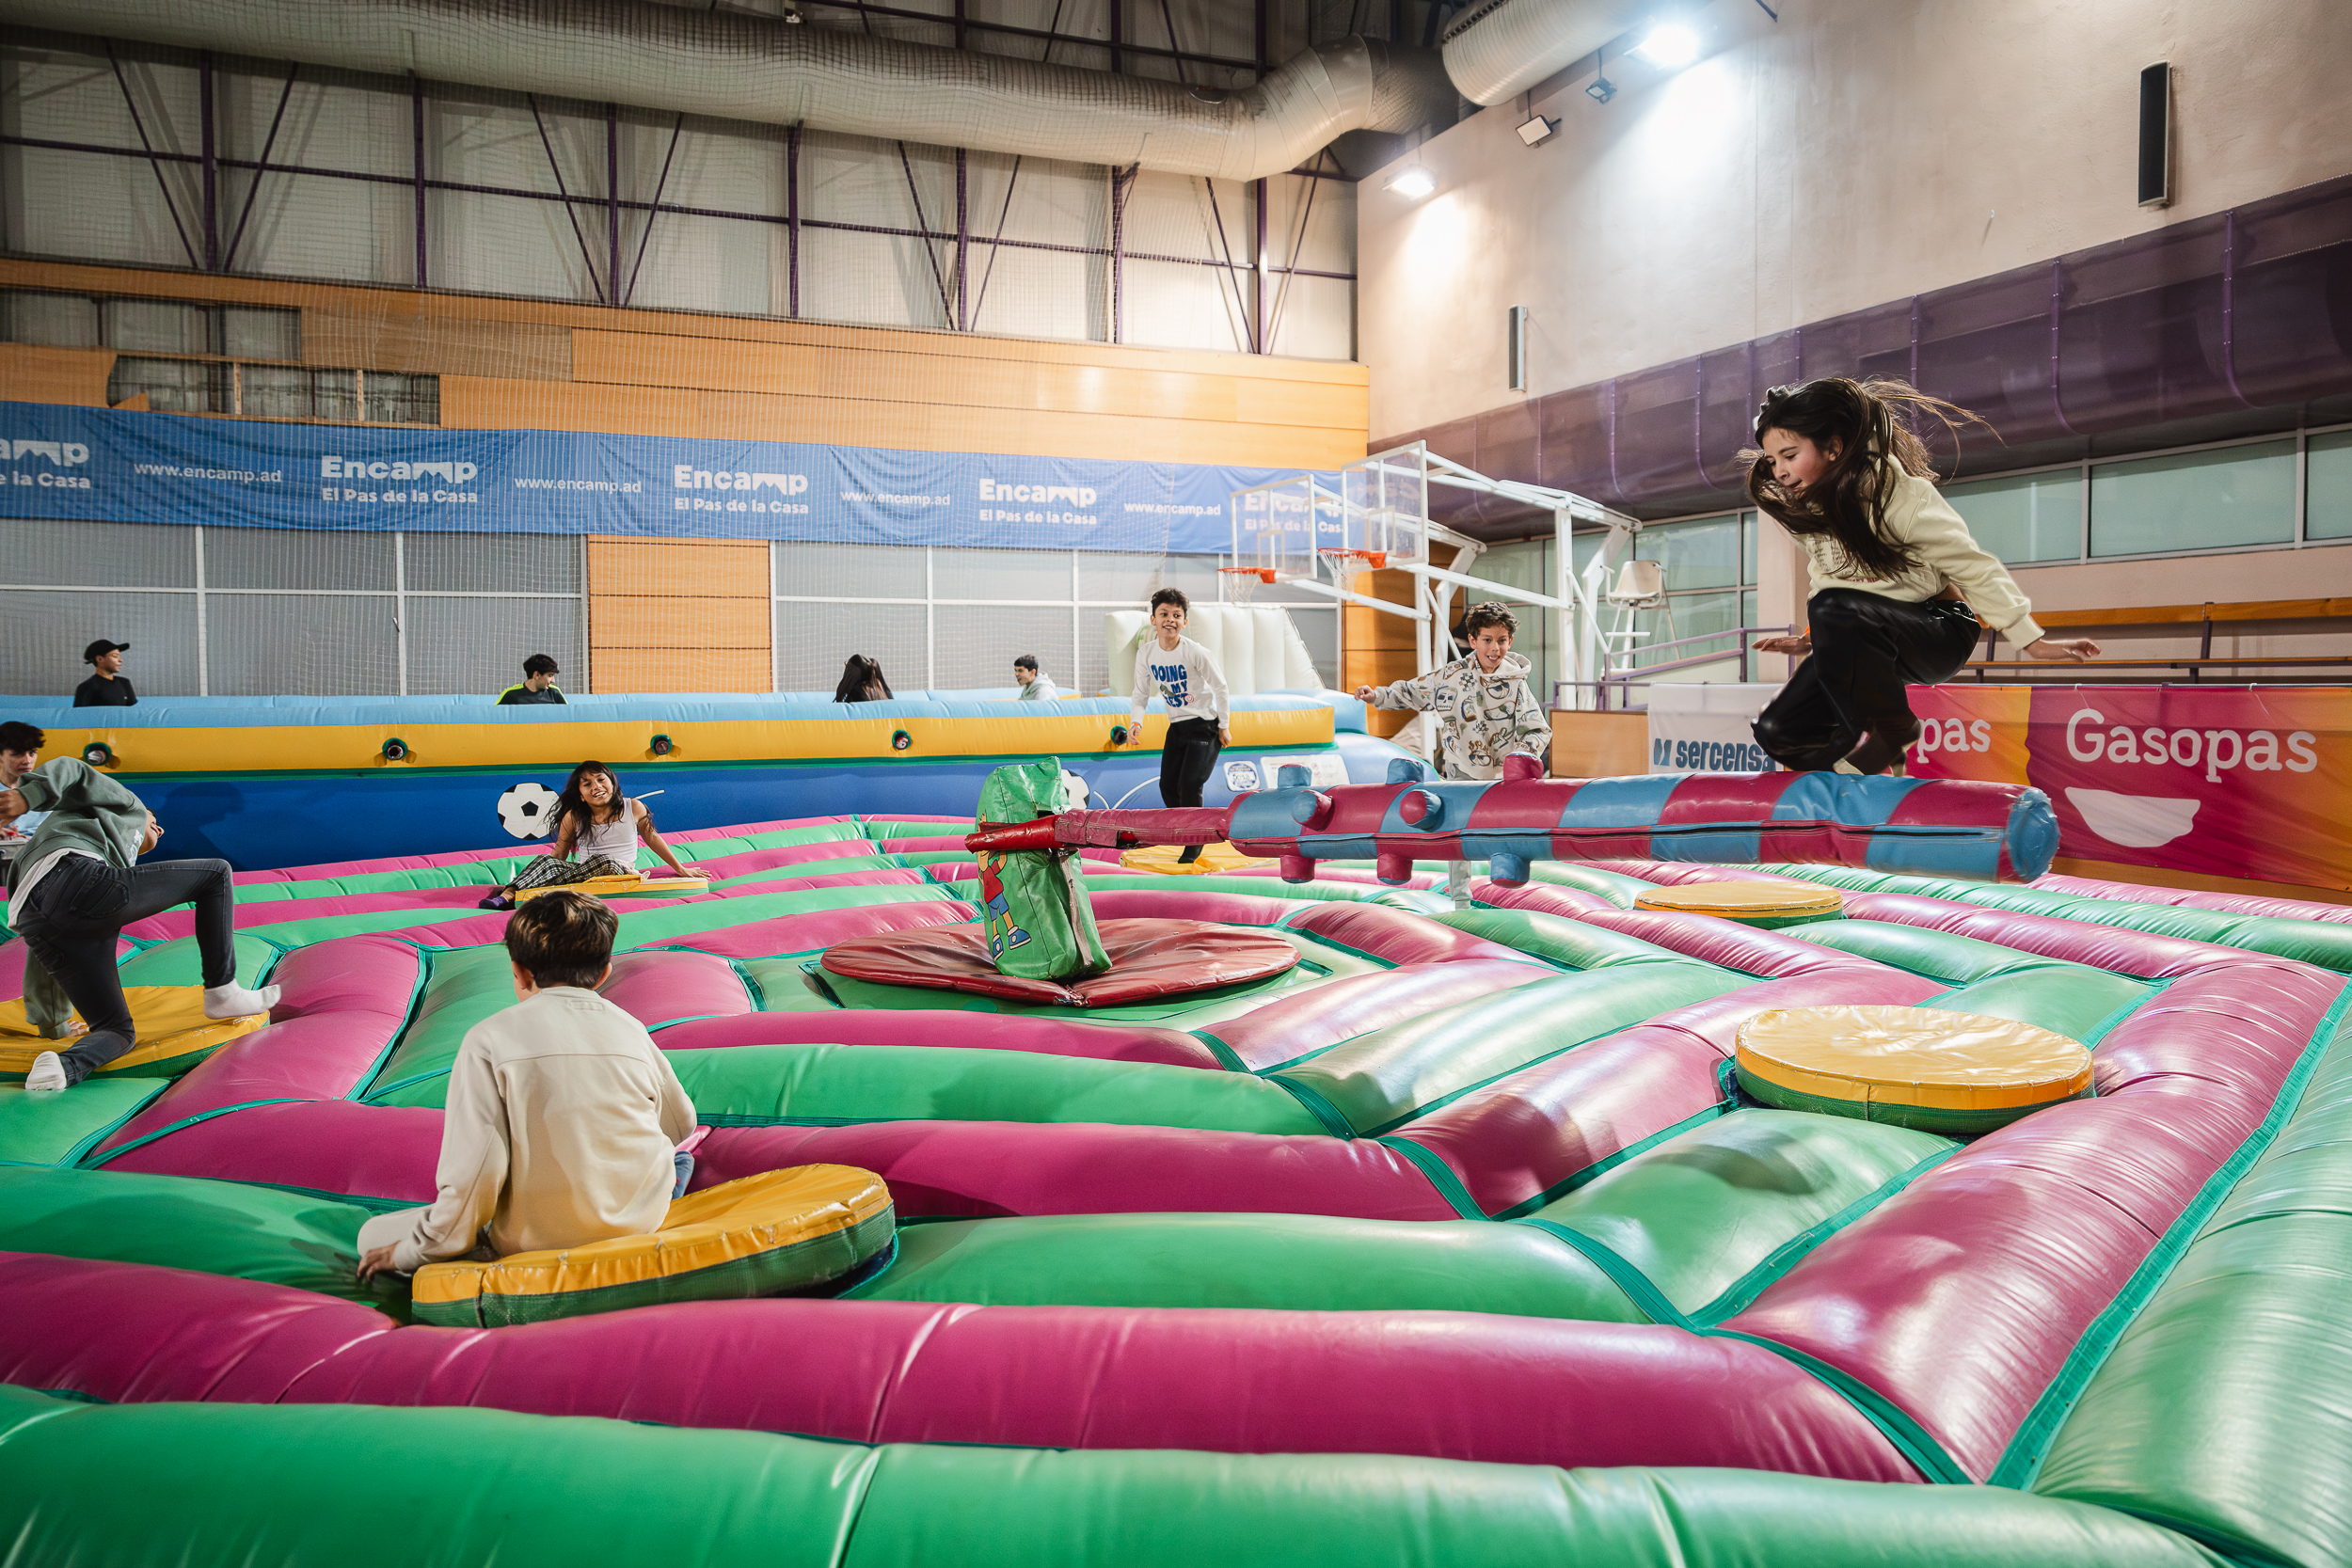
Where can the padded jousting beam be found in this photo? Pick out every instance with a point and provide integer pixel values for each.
(1928, 827)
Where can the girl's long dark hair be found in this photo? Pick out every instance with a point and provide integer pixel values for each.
(858, 679)
(570, 804)
(1849, 502)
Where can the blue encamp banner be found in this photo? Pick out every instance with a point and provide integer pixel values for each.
(102, 464)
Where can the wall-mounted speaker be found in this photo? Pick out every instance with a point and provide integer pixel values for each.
(2155, 135)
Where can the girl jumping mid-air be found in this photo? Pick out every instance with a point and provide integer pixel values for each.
(1898, 584)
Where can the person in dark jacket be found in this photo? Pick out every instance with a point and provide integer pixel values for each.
(538, 683)
(862, 682)
(105, 688)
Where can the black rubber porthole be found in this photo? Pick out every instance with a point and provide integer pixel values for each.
(901, 740)
(662, 746)
(98, 754)
(395, 750)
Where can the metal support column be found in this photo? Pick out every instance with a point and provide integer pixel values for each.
(963, 246)
(212, 167)
(1262, 343)
(1564, 620)
(792, 220)
(416, 167)
(613, 204)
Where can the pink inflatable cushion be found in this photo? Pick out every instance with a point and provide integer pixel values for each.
(1769, 954)
(1542, 897)
(978, 1168)
(1283, 1030)
(659, 985)
(132, 1333)
(2229, 903)
(1148, 958)
(2055, 1213)
(426, 901)
(1517, 1139)
(1051, 1037)
(386, 1153)
(1460, 1385)
(1396, 936)
(462, 856)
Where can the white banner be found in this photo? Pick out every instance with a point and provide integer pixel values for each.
(1708, 729)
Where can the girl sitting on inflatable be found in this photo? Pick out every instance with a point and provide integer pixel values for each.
(1898, 584)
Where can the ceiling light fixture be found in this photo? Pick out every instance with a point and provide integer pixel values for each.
(1600, 89)
(1670, 46)
(1412, 182)
(1537, 129)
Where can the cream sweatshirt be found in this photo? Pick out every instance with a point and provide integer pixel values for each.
(563, 1114)
(1919, 515)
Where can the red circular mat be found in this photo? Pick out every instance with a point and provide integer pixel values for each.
(1149, 959)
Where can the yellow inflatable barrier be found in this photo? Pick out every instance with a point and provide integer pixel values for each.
(762, 1236)
(173, 1034)
(1955, 1073)
(1766, 905)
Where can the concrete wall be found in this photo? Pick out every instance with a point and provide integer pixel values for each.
(1856, 152)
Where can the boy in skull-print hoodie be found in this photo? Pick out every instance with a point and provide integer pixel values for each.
(1485, 710)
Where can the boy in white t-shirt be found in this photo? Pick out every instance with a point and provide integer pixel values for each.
(1177, 669)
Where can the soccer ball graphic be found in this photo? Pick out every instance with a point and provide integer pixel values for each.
(528, 811)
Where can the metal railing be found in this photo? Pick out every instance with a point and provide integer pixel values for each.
(1622, 679)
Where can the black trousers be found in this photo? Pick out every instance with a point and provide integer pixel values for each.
(1866, 649)
(82, 904)
(1185, 758)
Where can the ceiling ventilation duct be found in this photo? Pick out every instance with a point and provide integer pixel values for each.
(730, 66)
(1501, 48)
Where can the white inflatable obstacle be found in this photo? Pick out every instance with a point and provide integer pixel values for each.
(1257, 646)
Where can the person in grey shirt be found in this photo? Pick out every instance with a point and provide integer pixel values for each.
(1035, 685)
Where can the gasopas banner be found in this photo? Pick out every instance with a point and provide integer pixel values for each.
(2236, 782)
(57, 460)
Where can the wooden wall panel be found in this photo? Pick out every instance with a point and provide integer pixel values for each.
(679, 615)
(483, 402)
(75, 375)
(379, 341)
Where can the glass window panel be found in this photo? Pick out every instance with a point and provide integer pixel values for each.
(335, 395)
(976, 644)
(100, 555)
(275, 391)
(490, 563)
(1001, 574)
(1320, 630)
(479, 645)
(2023, 517)
(250, 332)
(158, 326)
(2197, 500)
(1701, 554)
(42, 633)
(393, 398)
(2328, 486)
(849, 572)
(298, 558)
(58, 321)
(1748, 522)
(815, 641)
(300, 644)
(1105, 574)
(172, 386)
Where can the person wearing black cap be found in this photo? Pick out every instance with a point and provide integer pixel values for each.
(538, 683)
(106, 688)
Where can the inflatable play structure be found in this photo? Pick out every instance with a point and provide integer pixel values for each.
(263, 782)
(1476, 1236)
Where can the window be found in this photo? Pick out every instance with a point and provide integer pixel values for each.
(2195, 501)
(169, 385)
(2025, 518)
(2328, 486)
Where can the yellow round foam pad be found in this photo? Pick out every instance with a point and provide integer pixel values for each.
(762, 1236)
(1956, 1073)
(1763, 904)
(173, 1034)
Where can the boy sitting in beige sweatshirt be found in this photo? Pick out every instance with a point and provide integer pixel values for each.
(563, 1114)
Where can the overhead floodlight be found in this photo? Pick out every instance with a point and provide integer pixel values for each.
(1537, 129)
(1670, 46)
(1412, 182)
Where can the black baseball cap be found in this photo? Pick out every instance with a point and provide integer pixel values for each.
(100, 647)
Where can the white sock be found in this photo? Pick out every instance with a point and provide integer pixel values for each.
(235, 1001)
(47, 1075)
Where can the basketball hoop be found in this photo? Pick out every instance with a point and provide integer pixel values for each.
(1246, 580)
(1373, 559)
